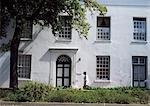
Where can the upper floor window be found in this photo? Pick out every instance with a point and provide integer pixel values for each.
(103, 28)
(24, 66)
(139, 29)
(103, 67)
(27, 31)
(66, 31)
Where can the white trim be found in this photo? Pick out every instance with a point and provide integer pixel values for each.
(24, 79)
(103, 41)
(25, 39)
(63, 40)
(139, 42)
(54, 54)
(102, 81)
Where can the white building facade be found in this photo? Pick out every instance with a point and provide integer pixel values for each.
(116, 54)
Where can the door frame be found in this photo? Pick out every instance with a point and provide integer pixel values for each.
(63, 67)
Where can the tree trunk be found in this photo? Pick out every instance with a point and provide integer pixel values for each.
(14, 56)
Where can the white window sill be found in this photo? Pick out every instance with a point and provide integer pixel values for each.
(139, 42)
(102, 81)
(103, 41)
(24, 79)
(63, 40)
(25, 39)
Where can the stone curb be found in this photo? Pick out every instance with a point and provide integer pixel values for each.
(64, 104)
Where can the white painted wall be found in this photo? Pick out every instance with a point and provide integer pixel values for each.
(120, 49)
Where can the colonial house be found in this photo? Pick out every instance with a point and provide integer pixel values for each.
(116, 54)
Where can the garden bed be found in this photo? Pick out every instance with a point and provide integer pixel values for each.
(36, 92)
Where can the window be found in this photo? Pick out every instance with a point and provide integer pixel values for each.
(103, 67)
(139, 70)
(27, 31)
(139, 29)
(65, 33)
(24, 66)
(103, 28)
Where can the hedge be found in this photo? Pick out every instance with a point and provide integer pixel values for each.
(37, 92)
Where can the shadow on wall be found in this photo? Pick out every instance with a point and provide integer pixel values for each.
(4, 69)
(46, 57)
(27, 43)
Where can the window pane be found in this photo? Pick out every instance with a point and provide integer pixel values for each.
(59, 81)
(66, 65)
(136, 83)
(142, 72)
(142, 84)
(135, 60)
(59, 72)
(66, 72)
(103, 21)
(66, 82)
(59, 65)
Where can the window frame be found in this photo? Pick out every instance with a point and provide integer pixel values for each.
(140, 19)
(145, 65)
(30, 57)
(58, 38)
(31, 30)
(103, 40)
(103, 79)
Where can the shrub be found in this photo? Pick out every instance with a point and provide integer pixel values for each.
(40, 92)
(141, 95)
(18, 96)
(60, 96)
(4, 92)
(32, 91)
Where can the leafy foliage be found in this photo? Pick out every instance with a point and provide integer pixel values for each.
(49, 10)
(4, 92)
(5, 47)
(32, 91)
(39, 92)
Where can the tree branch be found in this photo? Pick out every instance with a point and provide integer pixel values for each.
(38, 10)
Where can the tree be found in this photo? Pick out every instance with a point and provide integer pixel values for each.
(48, 11)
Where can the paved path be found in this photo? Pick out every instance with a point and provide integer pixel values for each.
(64, 104)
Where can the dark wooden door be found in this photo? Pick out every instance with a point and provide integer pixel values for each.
(63, 71)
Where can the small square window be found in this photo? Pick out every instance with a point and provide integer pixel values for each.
(24, 66)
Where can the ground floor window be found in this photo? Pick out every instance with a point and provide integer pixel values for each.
(24, 66)
(103, 67)
(139, 70)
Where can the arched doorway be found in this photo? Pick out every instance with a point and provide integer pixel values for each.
(63, 71)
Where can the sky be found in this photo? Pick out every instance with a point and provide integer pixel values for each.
(125, 2)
